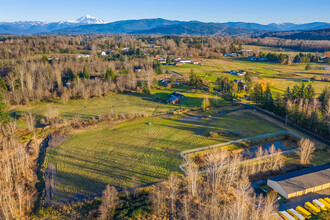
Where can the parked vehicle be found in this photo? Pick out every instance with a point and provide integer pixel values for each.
(278, 198)
(327, 200)
(304, 212)
(319, 204)
(295, 214)
(286, 215)
(325, 203)
(312, 208)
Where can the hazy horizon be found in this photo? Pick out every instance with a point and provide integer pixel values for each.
(74, 19)
(256, 11)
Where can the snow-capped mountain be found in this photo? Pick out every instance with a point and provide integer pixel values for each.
(87, 19)
(91, 25)
(40, 27)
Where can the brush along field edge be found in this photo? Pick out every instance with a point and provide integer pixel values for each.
(184, 154)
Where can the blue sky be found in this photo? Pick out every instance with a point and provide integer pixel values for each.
(259, 11)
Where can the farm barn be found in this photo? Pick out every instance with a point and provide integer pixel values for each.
(301, 182)
(175, 98)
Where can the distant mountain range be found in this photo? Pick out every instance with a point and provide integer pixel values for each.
(118, 27)
(279, 27)
(87, 19)
(319, 34)
(91, 25)
(199, 28)
(39, 27)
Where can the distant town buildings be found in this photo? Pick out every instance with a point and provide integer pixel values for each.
(262, 59)
(83, 56)
(239, 73)
(252, 58)
(239, 80)
(184, 61)
(178, 61)
(230, 55)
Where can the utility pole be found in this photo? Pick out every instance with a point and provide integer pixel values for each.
(286, 120)
(268, 97)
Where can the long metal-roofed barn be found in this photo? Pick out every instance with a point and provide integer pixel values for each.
(300, 182)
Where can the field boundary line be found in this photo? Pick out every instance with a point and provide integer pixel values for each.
(237, 141)
(184, 154)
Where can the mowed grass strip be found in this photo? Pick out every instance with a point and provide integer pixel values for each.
(90, 159)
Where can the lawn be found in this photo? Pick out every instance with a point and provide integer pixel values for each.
(279, 76)
(90, 159)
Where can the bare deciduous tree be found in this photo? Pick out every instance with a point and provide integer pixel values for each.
(192, 178)
(109, 202)
(30, 121)
(306, 149)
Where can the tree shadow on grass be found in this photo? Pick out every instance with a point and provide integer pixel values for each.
(75, 183)
(18, 114)
(121, 168)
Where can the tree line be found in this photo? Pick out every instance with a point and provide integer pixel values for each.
(70, 78)
(299, 104)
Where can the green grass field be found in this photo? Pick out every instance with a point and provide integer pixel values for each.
(279, 76)
(266, 49)
(90, 159)
(114, 103)
(246, 123)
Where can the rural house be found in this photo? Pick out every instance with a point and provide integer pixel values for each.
(185, 61)
(239, 80)
(175, 98)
